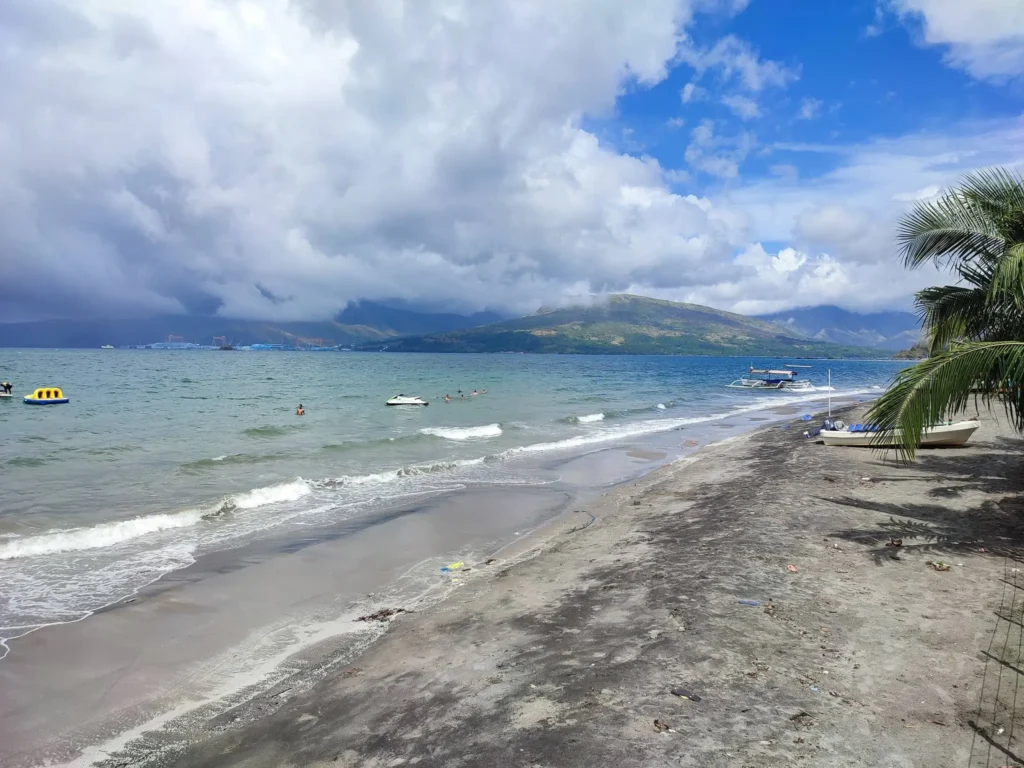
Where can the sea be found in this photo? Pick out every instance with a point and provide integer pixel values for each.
(162, 457)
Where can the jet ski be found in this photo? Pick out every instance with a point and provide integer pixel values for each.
(404, 400)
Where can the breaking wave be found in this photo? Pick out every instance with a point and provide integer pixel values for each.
(463, 433)
(110, 534)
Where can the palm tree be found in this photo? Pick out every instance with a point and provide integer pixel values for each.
(975, 330)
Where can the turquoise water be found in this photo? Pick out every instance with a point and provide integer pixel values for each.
(163, 456)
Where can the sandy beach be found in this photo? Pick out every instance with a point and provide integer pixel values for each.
(756, 578)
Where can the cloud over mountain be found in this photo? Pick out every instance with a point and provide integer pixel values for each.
(276, 159)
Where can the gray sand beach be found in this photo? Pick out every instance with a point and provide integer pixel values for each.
(565, 649)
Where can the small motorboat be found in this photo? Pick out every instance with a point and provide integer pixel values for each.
(47, 396)
(403, 400)
(952, 434)
(107, 346)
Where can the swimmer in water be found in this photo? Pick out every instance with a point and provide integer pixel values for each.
(447, 398)
(474, 393)
(300, 411)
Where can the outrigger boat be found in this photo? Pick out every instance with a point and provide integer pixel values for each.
(404, 400)
(769, 378)
(951, 434)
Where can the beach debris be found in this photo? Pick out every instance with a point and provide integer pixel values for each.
(806, 417)
(938, 565)
(802, 718)
(894, 542)
(489, 560)
(384, 614)
(682, 693)
(791, 568)
(750, 602)
(770, 609)
(453, 566)
(816, 689)
(661, 727)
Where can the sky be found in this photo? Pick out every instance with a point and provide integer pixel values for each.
(276, 159)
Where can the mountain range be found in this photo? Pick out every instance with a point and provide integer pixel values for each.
(882, 330)
(622, 324)
(626, 324)
(358, 323)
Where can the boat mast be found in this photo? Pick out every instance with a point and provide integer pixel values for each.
(830, 393)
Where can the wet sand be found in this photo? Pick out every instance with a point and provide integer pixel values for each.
(563, 650)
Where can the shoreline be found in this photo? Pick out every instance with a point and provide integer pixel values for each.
(568, 656)
(342, 644)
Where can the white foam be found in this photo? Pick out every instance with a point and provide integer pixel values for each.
(653, 426)
(590, 418)
(393, 475)
(110, 534)
(660, 406)
(463, 433)
(104, 535)
(219, 458)
(274, 494)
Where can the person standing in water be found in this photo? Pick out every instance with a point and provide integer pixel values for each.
(447, 398)
(300, 411)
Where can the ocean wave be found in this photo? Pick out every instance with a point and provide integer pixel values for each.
(660, 406)
(270, 430)
(25, 461)
(392, 475)
(463, 433)
(654, 426)
(110, 534)
(200, 465)
(590, 418)
(364, 445)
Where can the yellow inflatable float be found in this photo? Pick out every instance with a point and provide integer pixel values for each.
(47, 396)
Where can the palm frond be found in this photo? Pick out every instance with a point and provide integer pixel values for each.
(998, 193)
(951, 313)
(928, 392)
(975, 221)
(1008, 277)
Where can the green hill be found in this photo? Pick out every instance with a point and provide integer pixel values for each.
(626, 324)
(917, 352)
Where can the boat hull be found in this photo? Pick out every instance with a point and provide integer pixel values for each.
(394, 402)
(51, 401)
(944, 435)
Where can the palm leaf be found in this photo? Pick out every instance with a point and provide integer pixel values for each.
(974, 222)
(941, 386)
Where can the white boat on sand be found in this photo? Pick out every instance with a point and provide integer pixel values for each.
(404, 400)
(861, 435)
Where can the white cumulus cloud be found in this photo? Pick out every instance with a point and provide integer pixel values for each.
(744, 106)
(984, 37)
